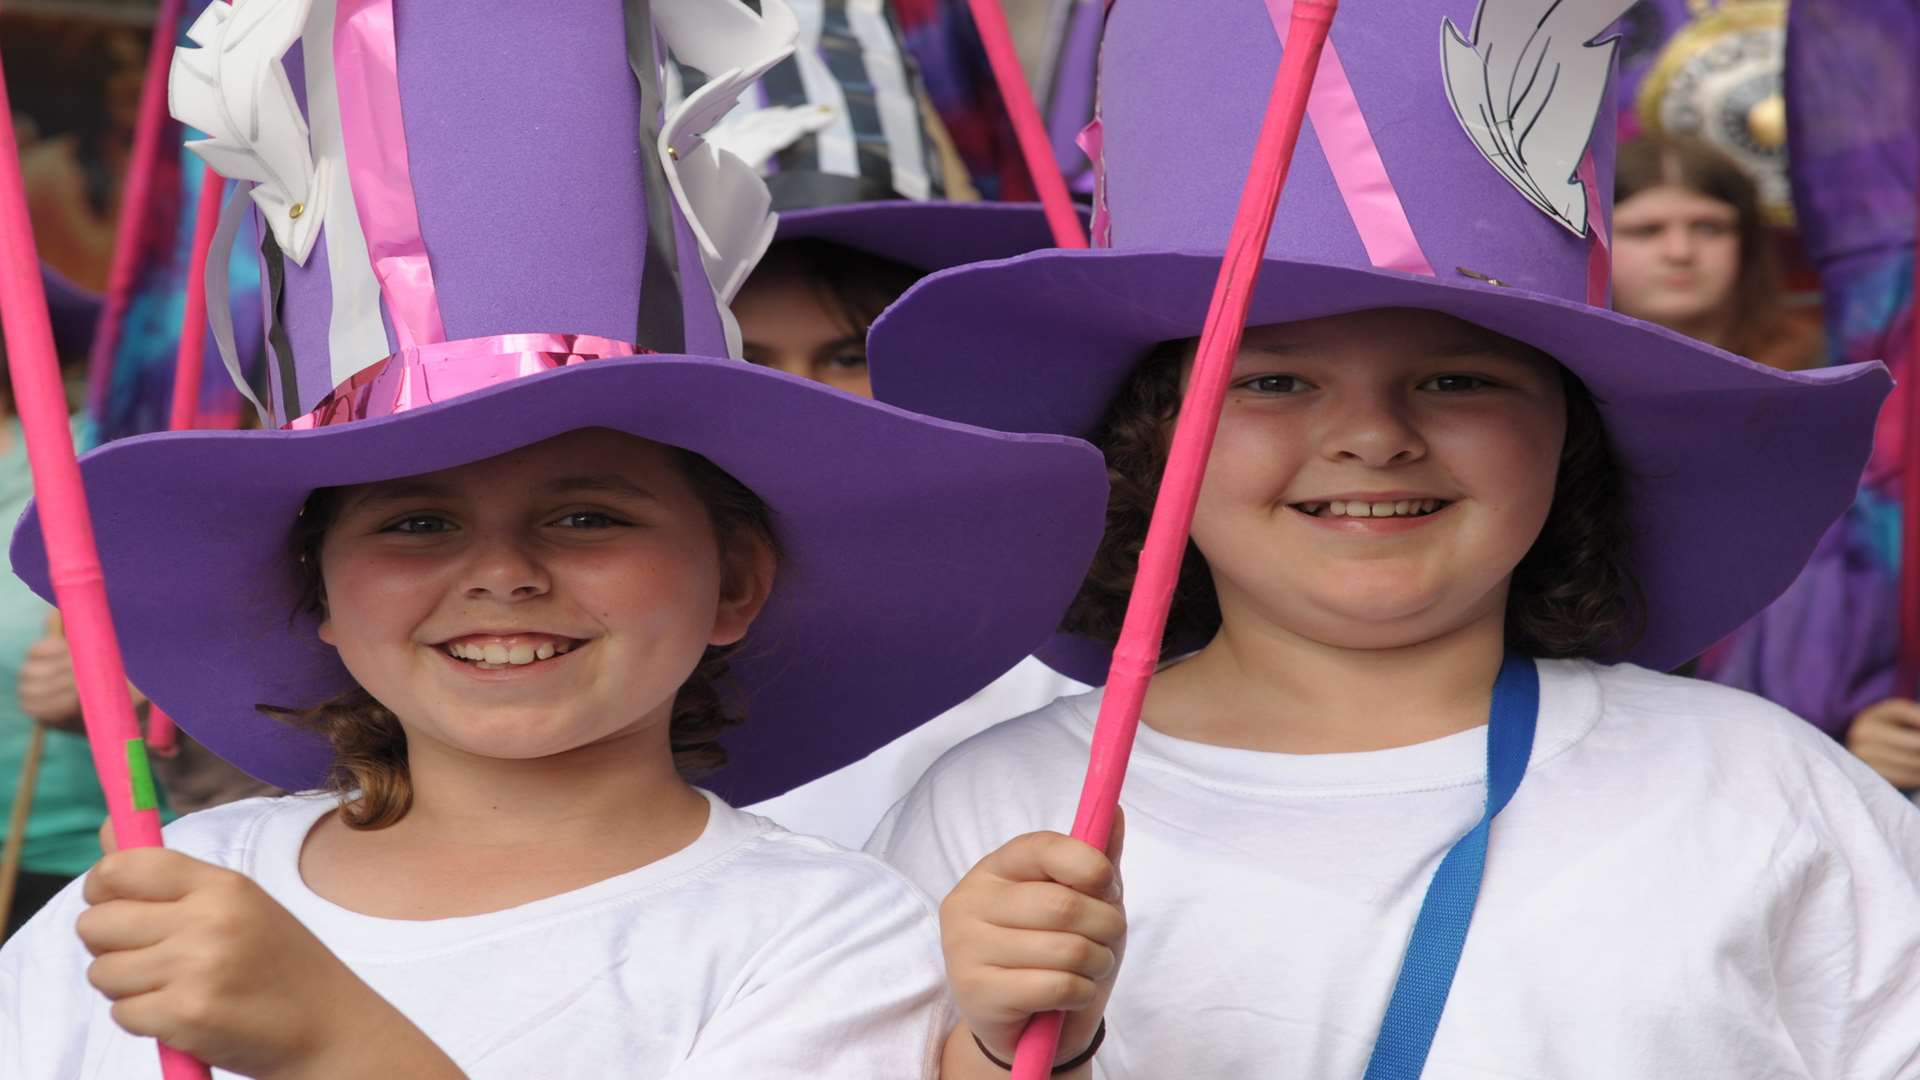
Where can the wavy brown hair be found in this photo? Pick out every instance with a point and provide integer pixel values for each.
(1573, 594)
(370, 747)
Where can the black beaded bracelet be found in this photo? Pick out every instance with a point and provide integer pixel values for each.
(1079, 1059)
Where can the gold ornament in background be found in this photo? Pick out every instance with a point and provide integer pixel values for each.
(1718, 78)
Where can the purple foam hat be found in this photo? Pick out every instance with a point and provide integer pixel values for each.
(852, 150)
(480, 232)
(1458, 157)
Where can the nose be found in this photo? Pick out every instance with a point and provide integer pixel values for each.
(502, 568)
(1676, 245)
(1374, 428)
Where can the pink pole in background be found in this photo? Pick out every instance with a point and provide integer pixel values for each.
(136, 204)
(1907, 666)
(1138, 650)
(1035, 147)
(119, 754)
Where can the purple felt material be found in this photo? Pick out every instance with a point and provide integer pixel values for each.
(72, 309)
(923, 558)
(1043, 341)
(923, 235)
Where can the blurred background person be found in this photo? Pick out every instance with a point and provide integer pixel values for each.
(1691, 252)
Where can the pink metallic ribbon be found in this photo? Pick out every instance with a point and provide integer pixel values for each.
(1354, 158)
(422, 375)
(1092, 142)
(376, 144)
(1599, 257)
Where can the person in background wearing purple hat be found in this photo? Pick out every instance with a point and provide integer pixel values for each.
(1691, 254)
(505, 585)
(869, 202)
(1410, 795)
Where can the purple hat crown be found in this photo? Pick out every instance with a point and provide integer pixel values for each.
(1443, 138)
(506, 218)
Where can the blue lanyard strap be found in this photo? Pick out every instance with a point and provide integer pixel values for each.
(1440, 931)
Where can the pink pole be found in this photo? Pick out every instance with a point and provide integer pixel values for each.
(136, 204)
(1138, 650)
(1908, 657)
(1031, 131)
(119, 754)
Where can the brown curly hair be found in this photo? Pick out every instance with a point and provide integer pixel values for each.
(369, 746)
(1573, 594)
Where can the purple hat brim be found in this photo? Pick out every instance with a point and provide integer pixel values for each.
(923, 235)
(922, 558)
(1044, 341)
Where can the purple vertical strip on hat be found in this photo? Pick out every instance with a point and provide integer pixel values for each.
(662, 319)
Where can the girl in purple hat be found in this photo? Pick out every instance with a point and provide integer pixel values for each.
(491, 598)
(1410, 795)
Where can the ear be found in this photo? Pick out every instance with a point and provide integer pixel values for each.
(747, 571)
(326, 631)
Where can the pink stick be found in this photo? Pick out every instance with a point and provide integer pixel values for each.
(1138, 649)
(1035, 147)
(74, 564)
(136, 198)
(1908, 662)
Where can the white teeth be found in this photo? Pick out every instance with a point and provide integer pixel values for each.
(1360, 509)
(495, 655)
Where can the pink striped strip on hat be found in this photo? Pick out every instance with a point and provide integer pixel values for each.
(1358, 172)
(1599, 255)
(376, 143)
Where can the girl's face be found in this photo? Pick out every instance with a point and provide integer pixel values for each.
(785, 325)
(1377, 476)
(548, 599)
(1676, 256)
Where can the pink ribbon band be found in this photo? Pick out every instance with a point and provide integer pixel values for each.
(1599, 257)
(366, 72)
(1354, 158)
(423, 375)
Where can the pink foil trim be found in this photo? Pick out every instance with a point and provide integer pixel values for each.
(423, 375)
(376, 144)
(1599, 257)
(1354, 159)
(1092, 142)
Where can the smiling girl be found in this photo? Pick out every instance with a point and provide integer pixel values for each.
(1456, 520)
(505, 589)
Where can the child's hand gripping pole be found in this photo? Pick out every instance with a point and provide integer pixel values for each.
(1138, 649)
(119, 754)
(1028, 128)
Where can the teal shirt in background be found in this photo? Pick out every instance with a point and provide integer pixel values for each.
(63, 828)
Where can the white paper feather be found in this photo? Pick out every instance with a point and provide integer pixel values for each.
(234, 87)
(756, 135)
(1527, 87)
(722, 196)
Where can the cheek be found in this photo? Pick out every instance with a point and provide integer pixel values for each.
(1509, 465)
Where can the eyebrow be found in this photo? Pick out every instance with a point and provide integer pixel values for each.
(414, 490)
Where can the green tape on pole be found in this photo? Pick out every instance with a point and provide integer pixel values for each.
(140, 775)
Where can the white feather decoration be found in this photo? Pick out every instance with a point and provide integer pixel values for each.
(234, 87)
(756, 135)
(1527, 87)
(722, 196)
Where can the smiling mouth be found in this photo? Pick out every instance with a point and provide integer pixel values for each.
(1405, 508)
(498, 656)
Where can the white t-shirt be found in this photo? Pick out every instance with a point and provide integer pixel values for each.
(845, 805)
(752, 952)
(1690, 882)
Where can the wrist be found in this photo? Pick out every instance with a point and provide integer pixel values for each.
(1065, 1061)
